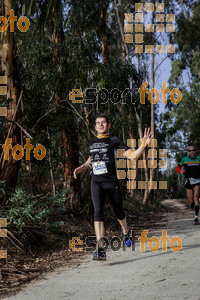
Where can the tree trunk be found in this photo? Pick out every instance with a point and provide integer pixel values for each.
(9, 168)
(103, 33)
(69, 135)
(139, 123)
(70, 158)
(123, 53)
(152, 170)
(70, 162)
(50, 165)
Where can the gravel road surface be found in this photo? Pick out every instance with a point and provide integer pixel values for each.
(131, 274)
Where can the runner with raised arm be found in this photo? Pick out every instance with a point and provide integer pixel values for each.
(190, 167)
(104, 177)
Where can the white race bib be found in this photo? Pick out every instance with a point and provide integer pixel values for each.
(99, 168)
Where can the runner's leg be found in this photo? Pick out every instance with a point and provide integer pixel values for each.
(123, 224)
(99, 229)
(196, 199)
(190, 195)
(98, 198)
(196, 194)
(115, 195)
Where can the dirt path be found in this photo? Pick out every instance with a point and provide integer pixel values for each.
(131, 274)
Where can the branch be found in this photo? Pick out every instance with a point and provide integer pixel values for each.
(44, 114)
(77, 113)
(160, 64)
(9, 239)
(42, 117)
(27, 134)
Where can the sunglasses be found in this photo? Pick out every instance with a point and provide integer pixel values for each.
(191, 150)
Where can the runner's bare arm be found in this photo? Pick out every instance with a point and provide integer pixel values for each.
(145, 140)
(179, 170)
(83, 167)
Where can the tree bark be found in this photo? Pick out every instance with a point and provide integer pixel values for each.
(69, 135)
(103, 33)
(152, 170)
(123, 53)
(9, 168)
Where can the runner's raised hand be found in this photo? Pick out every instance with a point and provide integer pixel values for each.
(145, 140)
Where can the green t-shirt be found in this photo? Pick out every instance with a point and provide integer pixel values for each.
(191, 166)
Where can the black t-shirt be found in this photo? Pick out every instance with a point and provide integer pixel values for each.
(103, 154)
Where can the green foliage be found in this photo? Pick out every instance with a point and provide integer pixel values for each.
(62, 50)
(24, 209)
(172, 179)
(177, 68)
(4, 190)
(58, 201)
(181, 123)
(2, 187)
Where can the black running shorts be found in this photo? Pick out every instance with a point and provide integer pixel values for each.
(189, 186)
(99, 190)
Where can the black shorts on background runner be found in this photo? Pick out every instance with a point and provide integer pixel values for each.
(189, 186)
